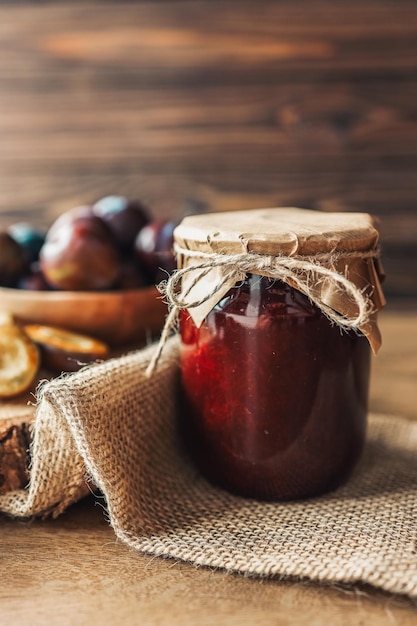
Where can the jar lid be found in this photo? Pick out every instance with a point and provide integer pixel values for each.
(330, 257)
(288, 231)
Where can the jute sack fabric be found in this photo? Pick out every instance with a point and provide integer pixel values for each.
(119, 428)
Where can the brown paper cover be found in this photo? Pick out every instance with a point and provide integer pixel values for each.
(343, 242)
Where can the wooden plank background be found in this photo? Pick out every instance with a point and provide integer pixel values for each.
(235, 104)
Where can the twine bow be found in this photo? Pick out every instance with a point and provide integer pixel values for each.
(299, 272)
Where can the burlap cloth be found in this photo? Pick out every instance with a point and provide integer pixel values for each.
(115, 426)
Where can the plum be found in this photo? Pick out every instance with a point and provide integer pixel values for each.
(153, 247)
(13, 261)
(79, 253)
(66, 218)
(29, 238)
(124, 217)
(33, 279)
(132, 276)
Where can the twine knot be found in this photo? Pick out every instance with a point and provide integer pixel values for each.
(301, 272)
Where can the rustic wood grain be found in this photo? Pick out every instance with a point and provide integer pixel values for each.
(15, 421)
(72, 570)
(239, 104)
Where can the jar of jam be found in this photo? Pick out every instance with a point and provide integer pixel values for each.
(277, 318)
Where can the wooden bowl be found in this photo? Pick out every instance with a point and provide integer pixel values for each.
(118, 317)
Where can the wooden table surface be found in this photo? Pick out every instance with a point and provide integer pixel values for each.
(73, 571)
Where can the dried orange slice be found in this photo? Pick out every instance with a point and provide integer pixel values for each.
(63, 350)
(19, 358)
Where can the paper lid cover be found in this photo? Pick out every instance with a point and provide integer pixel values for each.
(287, 231)
(343, 244)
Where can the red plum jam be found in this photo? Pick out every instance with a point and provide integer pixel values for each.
(275, 395)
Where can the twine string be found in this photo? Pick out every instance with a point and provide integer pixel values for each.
(301, 272)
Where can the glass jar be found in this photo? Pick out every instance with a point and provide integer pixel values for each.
(274, 395)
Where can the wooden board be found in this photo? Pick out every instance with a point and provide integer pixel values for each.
(237, 104)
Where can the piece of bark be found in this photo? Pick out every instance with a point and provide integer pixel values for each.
(15, 438)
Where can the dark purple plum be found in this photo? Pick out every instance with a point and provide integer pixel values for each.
(68, 217)
(79, 253)
(13, 261)
(124, 217)
(154, 248)
(132, 276)
(29, 238)
(34, 279)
